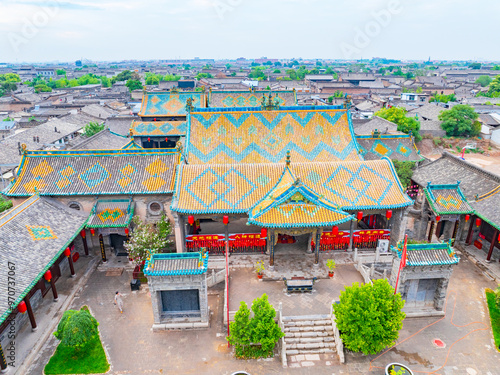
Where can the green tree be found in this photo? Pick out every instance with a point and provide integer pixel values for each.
(133, 84)
(369, 316)
(240, 334)
(122, 76)
(405, 124)
(4, 203)
(441, 98)
(148, 238)
(277, 63)
(475, 65)
(255, 337)
(42, 88)
(92, 128)
(494, 89)
(171, 77)
(228, 66)
(204, 75)
(152, 80)
(76, 328)
(459, 121)
(419, 90)
(60, 72)
(105, 82)
(404, 170)
(276, 71)
(484, 80)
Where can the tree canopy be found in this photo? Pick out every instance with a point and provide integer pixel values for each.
(405, 124)
(133, 84)
(460, 121)
(92, 128)
(369, 317)
(441, 98)
(76, 328)
(257, 336)
(484, 80)
(404, 170)
(8, 83)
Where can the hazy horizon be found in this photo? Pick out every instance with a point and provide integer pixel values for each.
(108, 30)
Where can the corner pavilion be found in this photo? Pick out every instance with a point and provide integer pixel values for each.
(278, 173)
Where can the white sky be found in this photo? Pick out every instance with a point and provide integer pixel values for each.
(67, 30)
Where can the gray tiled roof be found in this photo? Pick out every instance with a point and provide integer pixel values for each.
(488, 208)
(93, 172)
(33, 235)
(104, 140)
(375, 123)
(428, 111)
(449, 169)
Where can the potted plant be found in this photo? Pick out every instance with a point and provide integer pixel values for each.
(259, 268)
(330, 263)
(397, 369)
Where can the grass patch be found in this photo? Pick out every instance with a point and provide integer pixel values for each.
(90, 359)
(494, 316)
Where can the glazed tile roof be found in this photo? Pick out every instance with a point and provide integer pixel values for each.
(447, 199)
(111, 213)
(226, 99)
(486, 207)
(158, 128)
(429, 254)
(95, 172)
(33, 236)
(161, 104)
(176, 264)
(293, 204)
(395, 147)
(252, 135)
(236, 188)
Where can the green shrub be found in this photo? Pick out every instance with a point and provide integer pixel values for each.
(76, 328)
(494, 309)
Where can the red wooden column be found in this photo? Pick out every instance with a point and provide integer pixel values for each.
(30, 314)
(84, 239)
(468, 240)
(492, 246)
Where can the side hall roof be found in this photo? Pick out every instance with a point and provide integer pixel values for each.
(158, 128)
(447, 199)
(163, 104)
(236, 188)
(95, 172)
(33, 236)
(395, 147)
(255, 135)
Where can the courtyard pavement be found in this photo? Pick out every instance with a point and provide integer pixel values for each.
(134, 349)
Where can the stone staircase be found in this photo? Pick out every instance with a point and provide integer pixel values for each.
(308, 334)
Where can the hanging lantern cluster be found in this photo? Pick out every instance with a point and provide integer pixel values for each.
(412, 191)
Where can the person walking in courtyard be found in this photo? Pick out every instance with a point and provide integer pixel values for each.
(119, 301)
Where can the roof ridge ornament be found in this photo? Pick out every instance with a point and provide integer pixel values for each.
(288, 157)
(270, 104)
(189, 104)
(174, 90)
(347, 102)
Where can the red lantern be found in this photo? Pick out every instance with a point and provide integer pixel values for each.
(467, 217)
(438, 218)
(21, 307)
(92, 231)
(83, 233)
(388, 214)
(149, 139)
(359, 216)
(335, 230)
(191, 220)
(154, 119)
(48, 276)
(126, 231)
(478, 222)
(67, 252)
(225, 220)
(499, 238)
(263, 233)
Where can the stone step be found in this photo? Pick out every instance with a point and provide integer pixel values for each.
(310, 351)
(301, 323)
(306, 317)
(309, 339)
(326, 328)
(308, 334)
(310, 345)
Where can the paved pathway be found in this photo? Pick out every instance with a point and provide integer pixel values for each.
(134, 349)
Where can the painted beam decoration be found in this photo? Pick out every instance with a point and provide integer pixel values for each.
(111, 213)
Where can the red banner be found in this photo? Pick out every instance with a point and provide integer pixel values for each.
(238, 242)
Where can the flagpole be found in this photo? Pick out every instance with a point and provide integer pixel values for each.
(402, 263)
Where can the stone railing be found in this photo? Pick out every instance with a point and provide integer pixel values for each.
(284, 362)
(339, 345)
(216, 277)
